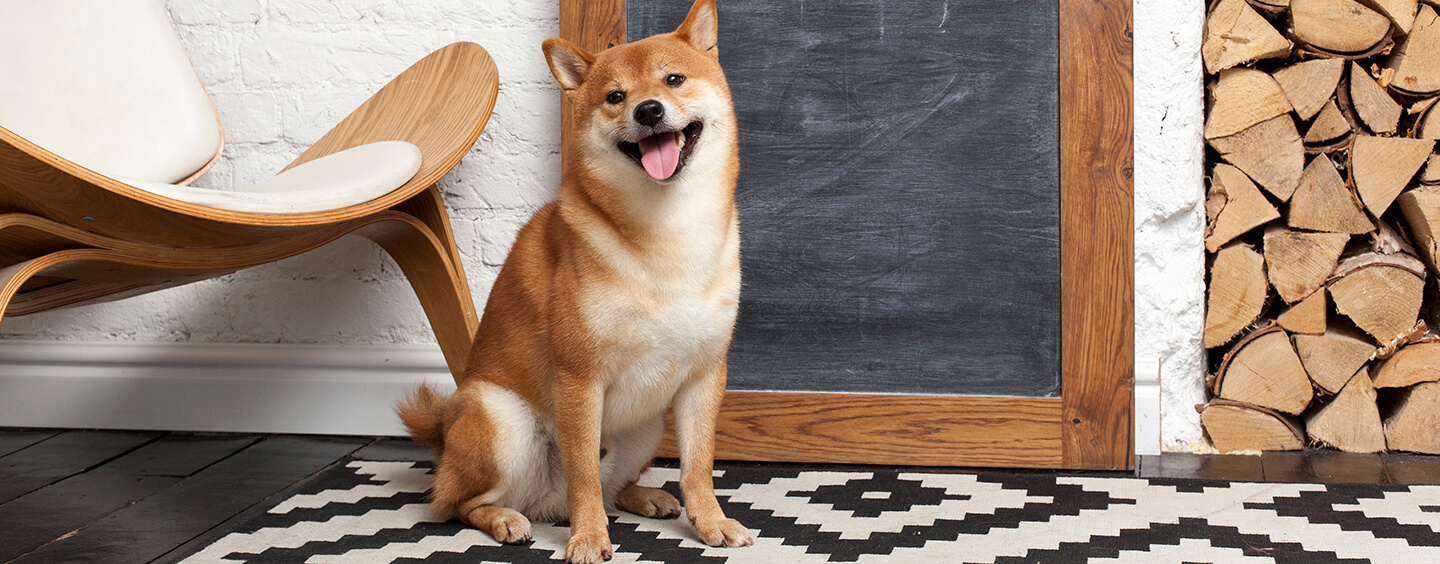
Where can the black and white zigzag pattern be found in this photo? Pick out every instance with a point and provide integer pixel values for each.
(367, 511)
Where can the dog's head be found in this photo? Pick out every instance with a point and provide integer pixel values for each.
(652, 107)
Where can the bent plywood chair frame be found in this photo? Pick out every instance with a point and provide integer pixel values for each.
(71, 236)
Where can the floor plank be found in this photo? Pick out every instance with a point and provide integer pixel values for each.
(46, 514)
(218, 532)
(1411, 469)
(404, 450)
(156, 525)
(1335, 467)
(12, 440)
(1289, 466)
(62, 456)
(1238, 468)
(1181, 465)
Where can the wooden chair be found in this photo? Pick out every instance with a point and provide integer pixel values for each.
(94, 196)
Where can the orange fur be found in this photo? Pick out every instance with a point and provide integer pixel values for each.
(423, 413)
(616, 300)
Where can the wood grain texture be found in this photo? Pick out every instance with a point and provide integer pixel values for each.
(1097, 233)
(594, 25)
(1235, 426)
(909, 430)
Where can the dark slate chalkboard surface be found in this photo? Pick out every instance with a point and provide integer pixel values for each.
(899, 192)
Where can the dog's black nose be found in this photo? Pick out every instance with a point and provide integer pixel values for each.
(649, 113)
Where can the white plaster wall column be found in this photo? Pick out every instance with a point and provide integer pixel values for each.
(1170, 212)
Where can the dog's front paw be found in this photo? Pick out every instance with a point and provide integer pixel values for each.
(588, 548)
(723, 532)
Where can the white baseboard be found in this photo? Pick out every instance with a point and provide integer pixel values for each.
(1147, 408)
(256, 388)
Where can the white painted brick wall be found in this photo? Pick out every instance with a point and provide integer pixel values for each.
(282, 72)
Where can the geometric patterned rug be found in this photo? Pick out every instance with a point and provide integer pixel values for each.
(375, 511)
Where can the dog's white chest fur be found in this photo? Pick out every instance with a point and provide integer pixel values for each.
(670, 313)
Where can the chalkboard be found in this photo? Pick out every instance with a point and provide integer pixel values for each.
(899, 193)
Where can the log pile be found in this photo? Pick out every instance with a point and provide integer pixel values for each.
(1323, 224)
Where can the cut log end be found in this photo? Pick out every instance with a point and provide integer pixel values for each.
(1412, 364)
(1298, 262)
(1331, 359)
(1236, 33)
(1309, 85)
(1351, 421)
(1264, 370)
(1327, 127)
(1383, 166)
(1243, 97)
(1376, 109)
(1235, 426)
(1238, 292)
(1322, 202)
(1270, 152)
(1338, 26)
(1238, 204)
(1414, 420)
(1421, 208)
(1431, 176)
(1416, 59)
(1308, 316)
(1381, 298)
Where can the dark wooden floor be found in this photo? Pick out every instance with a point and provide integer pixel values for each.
(1311, 466)
(121, 496)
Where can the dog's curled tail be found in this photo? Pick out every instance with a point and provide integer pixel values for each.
(423, 413)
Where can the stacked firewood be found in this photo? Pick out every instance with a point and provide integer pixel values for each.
(1323, 224)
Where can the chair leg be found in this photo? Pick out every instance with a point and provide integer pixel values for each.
(429, 208)
(440, 284)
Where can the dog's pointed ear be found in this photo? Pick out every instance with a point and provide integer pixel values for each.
(568, 62)
(700, 29)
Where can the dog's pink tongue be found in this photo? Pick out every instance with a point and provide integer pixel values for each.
(660, 154)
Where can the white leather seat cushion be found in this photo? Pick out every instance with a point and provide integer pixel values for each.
(105, 84)
(353, 176)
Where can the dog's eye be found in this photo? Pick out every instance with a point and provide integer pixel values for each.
(674, 80)
(615, 97)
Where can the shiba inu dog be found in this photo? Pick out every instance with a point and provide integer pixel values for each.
(617, 299)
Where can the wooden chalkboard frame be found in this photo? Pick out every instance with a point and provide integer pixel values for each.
(1089, 426)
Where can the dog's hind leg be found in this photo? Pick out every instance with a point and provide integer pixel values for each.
(648, 502)
(505, 524)
(634, 452)
(468, 481)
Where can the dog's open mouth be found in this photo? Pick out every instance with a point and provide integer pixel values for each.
(664, 154)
